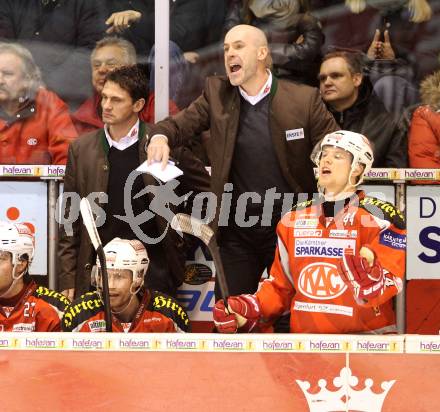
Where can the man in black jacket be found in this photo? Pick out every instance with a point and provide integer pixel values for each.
(60, 36)
(349, 95)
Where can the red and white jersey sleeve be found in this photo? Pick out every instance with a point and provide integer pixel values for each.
(39, 310)
(304, 278)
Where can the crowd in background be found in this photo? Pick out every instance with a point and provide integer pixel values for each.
(388, 50)
(254, 86)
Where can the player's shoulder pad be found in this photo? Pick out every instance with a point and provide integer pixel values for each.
(56, 299)
(383, 210)
(304, 205)
(81, 309)
(169, 307)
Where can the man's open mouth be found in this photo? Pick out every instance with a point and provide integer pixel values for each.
(234, 68)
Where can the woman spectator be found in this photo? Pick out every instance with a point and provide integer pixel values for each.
(424, 135)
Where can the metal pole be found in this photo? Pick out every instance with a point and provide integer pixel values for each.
(161, 59)
(53, 191)
(400, 201)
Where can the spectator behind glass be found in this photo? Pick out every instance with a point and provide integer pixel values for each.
(424, 135)
(60, 35)
(109, 54)
(392, 77)
(194, 26)
(348, 94)
(295, 37)
(35, 126)
(188, 28)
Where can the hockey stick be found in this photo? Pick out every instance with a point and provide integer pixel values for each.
(89, 223)
(192, 226)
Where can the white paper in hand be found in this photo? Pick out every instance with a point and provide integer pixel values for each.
(169, 173)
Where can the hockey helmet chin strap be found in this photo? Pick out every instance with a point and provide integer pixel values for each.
(343, 194)
(133, 293)
(15, 278)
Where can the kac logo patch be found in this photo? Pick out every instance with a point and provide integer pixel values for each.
(321, 281)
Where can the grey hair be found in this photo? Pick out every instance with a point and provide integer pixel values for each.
(124, 45)
(30, 69)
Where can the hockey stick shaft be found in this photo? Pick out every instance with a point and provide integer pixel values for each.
(89, 223)
(219, 270)
(197, 228)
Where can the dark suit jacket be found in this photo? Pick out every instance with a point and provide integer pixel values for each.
(292, 107)
(87, 171)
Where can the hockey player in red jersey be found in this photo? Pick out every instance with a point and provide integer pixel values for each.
(24, 306)
(134, 308)
(340, 257)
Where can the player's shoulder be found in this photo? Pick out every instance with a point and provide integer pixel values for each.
(300, 210)
(383, 210)
(303, 205)
(53, 298)
(80, 310)
(169, 307)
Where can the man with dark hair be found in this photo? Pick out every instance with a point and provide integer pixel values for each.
(349, 95)
(110, 53)
(101, 162)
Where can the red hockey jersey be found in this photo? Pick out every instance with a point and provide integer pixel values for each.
(157, 313)
(38, 310)
(304, 277)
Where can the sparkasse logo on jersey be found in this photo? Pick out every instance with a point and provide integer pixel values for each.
(321, 281)
(330, 248)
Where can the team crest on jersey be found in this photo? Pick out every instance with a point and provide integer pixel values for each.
(321, 281)
(126, 326)
(307, 232)
(306, 223)
(8, 310)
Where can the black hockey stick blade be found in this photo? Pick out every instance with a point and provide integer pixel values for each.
(193, 226)
(89, 223)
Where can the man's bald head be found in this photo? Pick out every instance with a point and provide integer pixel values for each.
(251, 33)
(246, 57)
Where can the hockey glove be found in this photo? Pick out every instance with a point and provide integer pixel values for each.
(242, 314)
(363, 274)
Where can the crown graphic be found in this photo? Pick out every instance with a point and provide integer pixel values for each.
(345, 398)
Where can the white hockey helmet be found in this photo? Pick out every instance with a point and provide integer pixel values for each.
(17, 239)
(126, 254)
(355, 143)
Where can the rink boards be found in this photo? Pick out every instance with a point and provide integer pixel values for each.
(212, 372)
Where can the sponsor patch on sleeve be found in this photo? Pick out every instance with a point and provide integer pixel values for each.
(393, 239)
